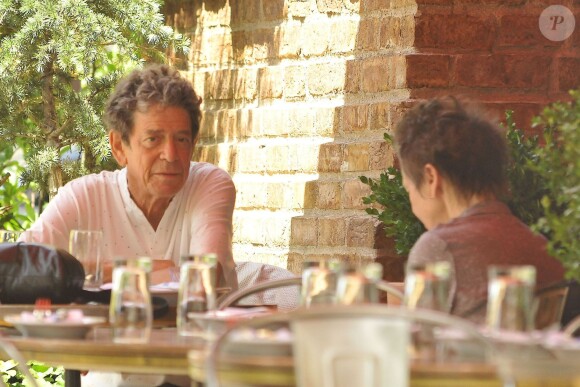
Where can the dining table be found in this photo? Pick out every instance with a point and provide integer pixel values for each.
(170, 354)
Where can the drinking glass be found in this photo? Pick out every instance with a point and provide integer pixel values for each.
(319, 279)
(9, 236)
(428, 286)
(85, 245)
(510, 294)
(130, 310)
(359, 286)
(196, 295)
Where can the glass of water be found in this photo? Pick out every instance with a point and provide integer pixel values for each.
(196, 295)
(130, 312)
(510, 294)
(319, 280)
(428, 286)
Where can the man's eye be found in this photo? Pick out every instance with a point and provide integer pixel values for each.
(184, 139)
(151, 139)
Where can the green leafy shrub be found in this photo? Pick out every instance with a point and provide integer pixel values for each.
(559, 165)
(390, 203)
(43, 374)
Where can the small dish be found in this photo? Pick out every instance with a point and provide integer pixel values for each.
(55, 330)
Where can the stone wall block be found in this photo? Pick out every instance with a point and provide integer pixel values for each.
(356, 157)
(343, 35)
(294, 83)
(352, 193)
(331, 157)
(331, 231)
(325, 79)
(304, 231)
(355, 118)
(314, 38)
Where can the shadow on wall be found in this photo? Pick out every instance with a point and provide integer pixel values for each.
(297, 96)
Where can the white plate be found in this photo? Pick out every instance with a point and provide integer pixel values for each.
(55, 330)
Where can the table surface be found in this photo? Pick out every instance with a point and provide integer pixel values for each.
(167, 353)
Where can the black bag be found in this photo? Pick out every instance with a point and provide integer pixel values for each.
(30, 270)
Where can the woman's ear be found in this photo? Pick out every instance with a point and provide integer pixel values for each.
(431, 181)
(117, 147)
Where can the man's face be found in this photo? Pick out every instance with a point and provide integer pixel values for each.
(158, 154)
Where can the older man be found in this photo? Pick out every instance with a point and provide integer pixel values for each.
(160, 204)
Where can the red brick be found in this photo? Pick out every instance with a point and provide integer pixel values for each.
(522, 112)
(375, 74)
(368, 35)
(511, 71)
(428, 70)
(454, 31)
(352, 82)
(568, 73)
(390, 32)
(519, 30)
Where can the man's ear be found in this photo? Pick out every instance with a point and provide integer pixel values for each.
(117, 147)
(431, 180)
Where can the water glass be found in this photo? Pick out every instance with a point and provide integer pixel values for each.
(510, 294)
(359, 286)
(196, 295)
(428, 286)
(85, 245)
(9, 236)
(130, 310)
(319, 280)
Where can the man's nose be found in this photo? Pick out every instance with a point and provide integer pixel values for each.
(169, 152)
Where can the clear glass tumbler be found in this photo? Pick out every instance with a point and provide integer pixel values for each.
(196, 296)
(85, 245)
(428, 286)
(359, 286)
(510, 294)
(130, 311)
(319, 280)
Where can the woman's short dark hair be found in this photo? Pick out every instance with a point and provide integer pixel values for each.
(142, 88)
(454, 136)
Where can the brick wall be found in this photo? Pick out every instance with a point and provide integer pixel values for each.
(493, 50)
(298, 93)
